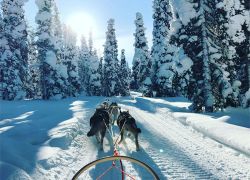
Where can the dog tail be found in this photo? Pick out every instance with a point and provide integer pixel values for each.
(138, 130)
(92, 131)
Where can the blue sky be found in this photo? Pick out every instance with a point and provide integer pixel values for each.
(123, 11)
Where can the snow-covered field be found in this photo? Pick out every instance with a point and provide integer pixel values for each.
(47, 140)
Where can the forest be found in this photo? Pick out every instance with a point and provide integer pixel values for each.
(201, 51)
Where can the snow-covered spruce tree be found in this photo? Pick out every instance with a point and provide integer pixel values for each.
(162, 64)
(84, 64)
(3, 44)
(94, 86)
(57, 32)
(33, 85)
(111, 82)
(183, 72)
(239, 31)
(225, 86)
(203, 96)
(15, 50)
(123, 75)
(141, 61)
(190, 33)
(181, 36)
(90, 45)
(129, 75)
(70, 61)
(52, 83)
(100, 69)
(186, 33)
(135, 74)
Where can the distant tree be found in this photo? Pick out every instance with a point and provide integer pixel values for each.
(57, 31)
(94, 86)
(111, 82)
(141, 61)
(124, 75)
(84, 65)
(70, 60)
(34, 86)
(90, 45)
(100, 69)
(14, 50)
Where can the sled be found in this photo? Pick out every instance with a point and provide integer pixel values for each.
(113, 159)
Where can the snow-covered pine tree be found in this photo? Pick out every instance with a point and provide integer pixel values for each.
(14, 55)
(203, 97)
(162, 62)
(123, 75)
(186, 34)
(3, 44)
(129, 75)
(225, 87)
(57, 32)
(111, 82)
(52, 83)
(239, 32)
(135, 74)
(94, 86)
(183, 72)
(70, 61)
(190, 33)
(34, 86)
(141, 61)
(90, 45)
(100, 69)
(84, 64)
(181, 36)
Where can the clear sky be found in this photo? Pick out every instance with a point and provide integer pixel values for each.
(86, 14)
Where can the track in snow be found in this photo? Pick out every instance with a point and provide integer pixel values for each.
(177, 151)
(173, 150)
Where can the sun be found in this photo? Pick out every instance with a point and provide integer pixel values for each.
(82, 24)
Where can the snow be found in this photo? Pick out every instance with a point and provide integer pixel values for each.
(51, 59)
(246, 99)
(62, 70)
(185, 10)
(47, 139)
(235, 30)
(227, 134)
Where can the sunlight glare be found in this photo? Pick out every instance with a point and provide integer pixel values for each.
(82, 23)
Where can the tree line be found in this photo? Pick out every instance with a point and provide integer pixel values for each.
(47, 64)
(200, 51)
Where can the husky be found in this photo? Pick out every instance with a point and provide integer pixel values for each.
(105, 105)
(126, 122)
(99, 123)
(114, 111)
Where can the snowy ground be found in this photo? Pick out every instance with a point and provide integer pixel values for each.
(47, 140)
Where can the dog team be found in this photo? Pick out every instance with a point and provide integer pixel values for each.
(105, 116)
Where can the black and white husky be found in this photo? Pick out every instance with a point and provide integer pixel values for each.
(99, 123)
(126, 122)
(114, 111)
